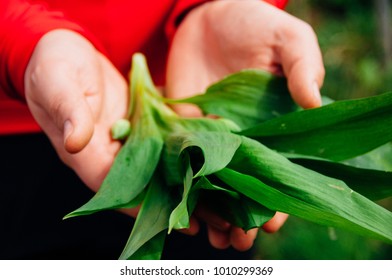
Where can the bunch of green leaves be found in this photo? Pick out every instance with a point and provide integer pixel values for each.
(263, 154)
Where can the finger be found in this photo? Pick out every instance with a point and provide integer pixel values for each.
(78, 125)
(241, 240)
(59, 94)
(275, 223)
(194, 227)
(131, 211)
(211, 219)
(302, 63)
(218, 239)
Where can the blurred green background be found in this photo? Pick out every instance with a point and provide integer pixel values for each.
(355, 38)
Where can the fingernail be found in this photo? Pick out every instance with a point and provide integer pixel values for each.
(68, 129)
(316, 94)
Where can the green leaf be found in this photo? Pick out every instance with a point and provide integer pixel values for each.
(131, 171)
(356, 215)
(379, 159)
(373, 184)
(272, 180)
(233, 207)
(202, 153)
(247, 97)
(175, 135)
(179, 218)
(338, 131)
(141, 84)
(146, 239)
(152, 249)
(217, 150)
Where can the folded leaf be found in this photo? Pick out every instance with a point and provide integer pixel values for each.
(209, 152)
(209, 142)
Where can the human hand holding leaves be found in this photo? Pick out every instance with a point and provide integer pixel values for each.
(186, 161)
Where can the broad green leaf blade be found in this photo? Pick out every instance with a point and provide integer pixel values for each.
(332, 202)
(152, 219)
(357, 216)
(338, 131)
(247, 98)
(373, 184)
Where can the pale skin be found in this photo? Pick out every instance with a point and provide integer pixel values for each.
(76, 94)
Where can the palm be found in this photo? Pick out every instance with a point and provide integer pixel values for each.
(227, 36)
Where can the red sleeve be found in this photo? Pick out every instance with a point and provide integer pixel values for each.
(278, 3)
(183, 6)
(21, 26)
(179, 11)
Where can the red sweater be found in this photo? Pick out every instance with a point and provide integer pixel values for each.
(118, 28)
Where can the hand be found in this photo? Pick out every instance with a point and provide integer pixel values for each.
(76, 94)
(222, 37)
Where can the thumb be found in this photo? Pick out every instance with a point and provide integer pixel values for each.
(304, 85)
(302, 63)
(61, 108)
(76, 119)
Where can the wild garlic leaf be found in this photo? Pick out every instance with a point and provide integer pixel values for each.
(179, 218)
(338, 131)
(209, 151)
(373, 184)
(272, 180)
(173, 143)
(200, 153)
(202, 183)
(146, 239)
(379, 159)
(355, 214)
(234, 207)
(247, 97)
(152, 249)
